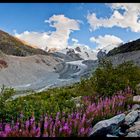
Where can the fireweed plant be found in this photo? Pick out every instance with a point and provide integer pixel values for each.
(78, 123)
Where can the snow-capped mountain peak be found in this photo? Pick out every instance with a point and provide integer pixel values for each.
(83, 51)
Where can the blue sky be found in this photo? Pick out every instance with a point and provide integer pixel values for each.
(91, 30)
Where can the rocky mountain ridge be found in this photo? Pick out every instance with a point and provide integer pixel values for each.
(11, 45)
(124, 48)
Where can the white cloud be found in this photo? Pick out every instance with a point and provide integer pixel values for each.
(34, 38)
(57, 39)
(106, 42)
(74, 40)
(129, 19)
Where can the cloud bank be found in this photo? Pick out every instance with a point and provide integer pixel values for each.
(130, 18)
(106, 42)
(56, 39)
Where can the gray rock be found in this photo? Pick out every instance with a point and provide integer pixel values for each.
(134, 131)
(108, 126)
(77, 100)
(138, 132)
(109, 135)
(137, 123)
(134, 128)
(78, 105)
(121, 134)
(136, 98)
(101, 54)
(132, 134)
(71, 53)
(78, 49)
(131, 117)
(135, 107)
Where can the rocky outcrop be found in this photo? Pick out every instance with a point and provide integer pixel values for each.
(134, 131)
(124, 57)
(136, 98)
(109, 126)
(70, 56)
(135, 107)
(131, 117)
(77, 101)
(109, 135)
(101, 54)
(71, 53)
(78, 49)
(124, 125)
(132, 134)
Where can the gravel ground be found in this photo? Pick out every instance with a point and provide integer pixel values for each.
(37, 73)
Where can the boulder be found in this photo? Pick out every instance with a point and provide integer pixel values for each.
(109, 135)
(77, 101)
(78, 105)
(131, 117)
(136, 98)
(132, 134)
(108, 126)
(135, 107)
(137, 123)
(134, 128)
(134, 131)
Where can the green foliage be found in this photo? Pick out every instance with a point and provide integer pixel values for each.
(51, 101)
(108, 79)
(5, 94)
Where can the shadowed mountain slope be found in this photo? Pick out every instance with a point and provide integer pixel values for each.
(127, 47)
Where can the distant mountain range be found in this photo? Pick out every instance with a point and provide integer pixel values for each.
(13, 46)
(79, 52)
(25, 67)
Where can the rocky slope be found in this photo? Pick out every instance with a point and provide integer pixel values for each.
(23, 72)
(127, 52)
(38, 70)
(128, 56)
(12, 46)
(127, 47)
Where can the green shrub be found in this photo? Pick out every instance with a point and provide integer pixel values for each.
(5, 94)
(108, 79)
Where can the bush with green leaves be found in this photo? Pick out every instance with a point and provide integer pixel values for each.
(108, 79)
(5, 94)
(51, 101)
